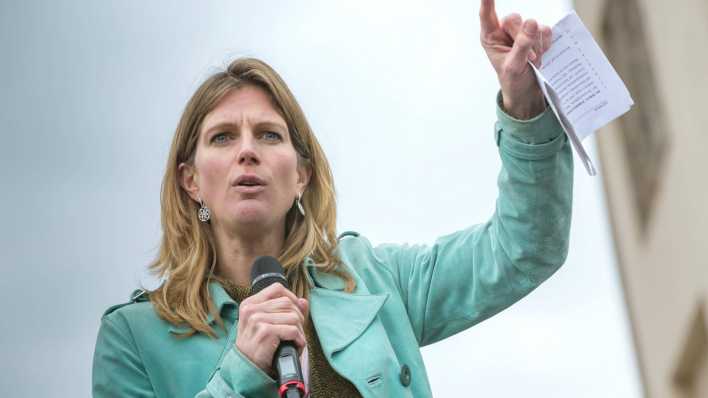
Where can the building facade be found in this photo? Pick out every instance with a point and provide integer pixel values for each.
(654, 163)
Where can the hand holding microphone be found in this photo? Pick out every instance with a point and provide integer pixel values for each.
(271, 318)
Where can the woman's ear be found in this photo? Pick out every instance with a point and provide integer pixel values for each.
(303, 177)
(188, 180)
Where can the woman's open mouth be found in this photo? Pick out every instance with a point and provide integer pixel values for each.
(249, 188)
(249, 183)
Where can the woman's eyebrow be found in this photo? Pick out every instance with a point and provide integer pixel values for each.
(262, 123)
(272, 124)
(219, 126)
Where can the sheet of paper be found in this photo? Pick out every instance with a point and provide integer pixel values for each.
(579, 83)
(575, 141)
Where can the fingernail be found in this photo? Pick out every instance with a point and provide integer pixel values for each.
(530, 26)
(532, 55)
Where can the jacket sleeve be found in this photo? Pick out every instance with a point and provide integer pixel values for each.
(470, 275)
(238, 377)
(118, 369)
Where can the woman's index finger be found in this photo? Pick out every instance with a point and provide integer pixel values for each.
(488, 16)
(273, 291)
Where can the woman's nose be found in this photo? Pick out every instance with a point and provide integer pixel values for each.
(247, 153)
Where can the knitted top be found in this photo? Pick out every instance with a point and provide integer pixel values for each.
(323, 380)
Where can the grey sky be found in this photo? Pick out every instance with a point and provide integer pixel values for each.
(401, 97)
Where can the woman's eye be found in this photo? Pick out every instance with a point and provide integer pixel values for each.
(272, 136)
(219, 138)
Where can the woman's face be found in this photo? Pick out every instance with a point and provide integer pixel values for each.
(245, 168)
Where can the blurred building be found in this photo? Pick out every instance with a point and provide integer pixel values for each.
(655, 168)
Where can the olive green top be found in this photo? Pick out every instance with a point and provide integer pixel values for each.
(323, 380)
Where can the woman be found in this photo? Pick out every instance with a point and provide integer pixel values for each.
(246, 177)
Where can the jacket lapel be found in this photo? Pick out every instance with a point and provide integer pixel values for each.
(351, 334)
(339, 317)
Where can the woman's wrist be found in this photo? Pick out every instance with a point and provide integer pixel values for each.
(525, 109)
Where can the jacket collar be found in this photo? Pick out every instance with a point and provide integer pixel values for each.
(317, 278)
(221, 300)
(220, 297)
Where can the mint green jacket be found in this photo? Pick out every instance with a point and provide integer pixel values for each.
(406, 296)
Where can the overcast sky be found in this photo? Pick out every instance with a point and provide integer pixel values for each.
(400, 95)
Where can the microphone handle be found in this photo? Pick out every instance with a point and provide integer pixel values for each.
(293, 393)
(287, 363)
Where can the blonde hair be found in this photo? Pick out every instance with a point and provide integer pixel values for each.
(187, 255)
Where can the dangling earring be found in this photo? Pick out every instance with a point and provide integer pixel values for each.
(299, 204)
(204, 212)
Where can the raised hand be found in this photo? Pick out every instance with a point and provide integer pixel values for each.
(509, 45)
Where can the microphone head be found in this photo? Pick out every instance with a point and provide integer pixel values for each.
(266, 270)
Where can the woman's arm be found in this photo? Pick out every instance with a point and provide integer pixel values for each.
(472, 274)
(119, 371)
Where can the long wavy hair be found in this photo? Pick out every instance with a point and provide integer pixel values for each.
(187, 255)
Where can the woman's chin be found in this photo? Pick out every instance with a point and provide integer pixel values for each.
(252, 215)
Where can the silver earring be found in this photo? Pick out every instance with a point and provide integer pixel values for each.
(299, 204)
(204, 212)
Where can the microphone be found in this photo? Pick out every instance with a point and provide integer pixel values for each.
(267, 270)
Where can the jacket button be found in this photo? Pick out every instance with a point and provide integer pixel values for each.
(405, 375)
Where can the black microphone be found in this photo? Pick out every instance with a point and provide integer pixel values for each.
(267, 270)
